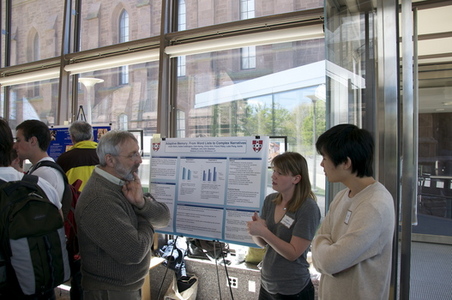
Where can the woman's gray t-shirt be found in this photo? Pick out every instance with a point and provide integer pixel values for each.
(279, 275)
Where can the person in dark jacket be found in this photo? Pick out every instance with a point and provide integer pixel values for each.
(79, 161)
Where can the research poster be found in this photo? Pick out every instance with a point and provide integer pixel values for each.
(211, 185)
(61, 140)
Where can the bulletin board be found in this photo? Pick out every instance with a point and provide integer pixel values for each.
(61, 140)
(211, 185)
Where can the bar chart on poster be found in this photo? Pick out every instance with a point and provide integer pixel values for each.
(211, 185)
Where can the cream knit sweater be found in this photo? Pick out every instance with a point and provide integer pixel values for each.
(353, 247)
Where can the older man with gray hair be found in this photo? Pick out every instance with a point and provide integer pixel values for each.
(116, 222)
(79, 161)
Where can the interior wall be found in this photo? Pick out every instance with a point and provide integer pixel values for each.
(210, 284)
(435, 143)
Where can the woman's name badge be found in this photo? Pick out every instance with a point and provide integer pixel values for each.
(287, 221)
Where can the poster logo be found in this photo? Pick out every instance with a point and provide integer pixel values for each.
(257, 145)
(155, 146)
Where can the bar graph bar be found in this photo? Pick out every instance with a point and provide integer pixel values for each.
(186, 174)
(209, 175)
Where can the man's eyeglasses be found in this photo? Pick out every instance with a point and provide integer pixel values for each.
(132, 156)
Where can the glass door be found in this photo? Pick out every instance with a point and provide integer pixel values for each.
(407, 105)
(435, 121)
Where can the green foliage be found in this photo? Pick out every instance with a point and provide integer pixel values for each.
(264, 120)
(239, 118)
(296, 124)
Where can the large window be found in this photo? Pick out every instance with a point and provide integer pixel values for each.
(220, 97)
(234, 68)
(137, 20)
(117, 71)
(130, 106)
(277, 98)
(207, 13)
(25, 104)
(35, 32)
(435, 120)
(408, 113)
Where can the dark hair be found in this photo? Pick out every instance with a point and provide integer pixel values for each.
(39, 129)
(293, 163)
(348, 141)
(81, 131)
(6, 143)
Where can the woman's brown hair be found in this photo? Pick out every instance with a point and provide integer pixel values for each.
(293, 163)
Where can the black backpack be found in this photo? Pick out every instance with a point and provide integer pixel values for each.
(33, 256)
(70, 197)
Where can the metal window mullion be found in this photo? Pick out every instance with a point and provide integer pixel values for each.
(63, 91)
(165, 115)
(8, 5)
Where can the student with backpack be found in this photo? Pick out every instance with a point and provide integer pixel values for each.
(25, 200)
(32, 141)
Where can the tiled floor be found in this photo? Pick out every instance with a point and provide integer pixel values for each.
(431, 272)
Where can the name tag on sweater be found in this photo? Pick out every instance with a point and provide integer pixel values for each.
(347, 216)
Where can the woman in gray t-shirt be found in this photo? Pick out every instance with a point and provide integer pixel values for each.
(286, 226)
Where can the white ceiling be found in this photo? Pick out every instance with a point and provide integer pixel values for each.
(434, 28)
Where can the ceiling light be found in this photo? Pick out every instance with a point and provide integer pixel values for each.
(112, 62)
(252, 39)
(40, 75)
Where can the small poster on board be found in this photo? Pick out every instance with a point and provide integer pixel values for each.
(61, 140)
